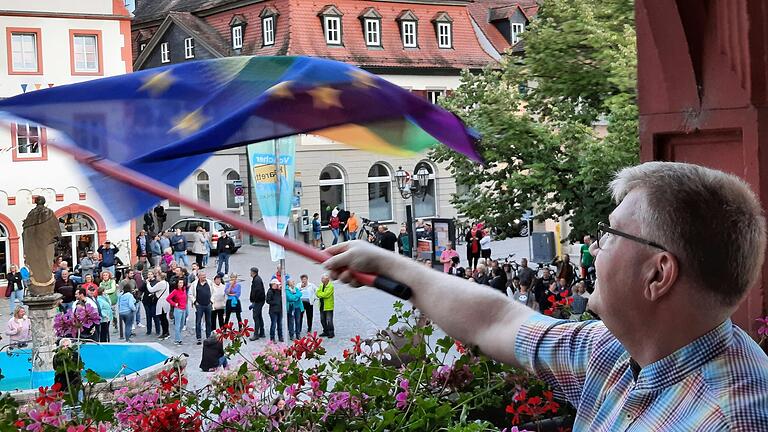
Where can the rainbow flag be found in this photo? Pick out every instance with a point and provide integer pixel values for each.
(165, 122)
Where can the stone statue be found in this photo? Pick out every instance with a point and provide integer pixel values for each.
(41, 232)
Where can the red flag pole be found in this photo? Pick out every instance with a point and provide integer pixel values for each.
(150, 185)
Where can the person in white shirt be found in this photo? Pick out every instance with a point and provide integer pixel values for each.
(219, 299)
(308, 297)
(159, 287)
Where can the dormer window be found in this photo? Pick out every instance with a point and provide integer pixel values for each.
(516, 30)
(189, 48)
(371, 20)
(268, 20)
(165, 53)
(237, 30)
(409, 28)
(443, 29)
(331, 19)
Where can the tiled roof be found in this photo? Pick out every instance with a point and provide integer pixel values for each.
(202, 31)
(307, 36)
(481, 11)
(151, 10)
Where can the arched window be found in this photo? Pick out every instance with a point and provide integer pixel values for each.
(331, 191)
(5, 251)
(379, 193)
(78, 236)
(425, 206)
(203, 184)
(232, 177)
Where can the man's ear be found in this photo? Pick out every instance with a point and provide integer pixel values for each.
(661, 276)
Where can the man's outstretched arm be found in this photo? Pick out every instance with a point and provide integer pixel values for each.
(469, 312)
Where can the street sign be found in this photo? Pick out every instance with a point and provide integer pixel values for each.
(527, 215)
(237, 183)
(239, 199)
(239, 191)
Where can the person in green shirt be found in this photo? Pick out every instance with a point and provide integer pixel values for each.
(325, 294)
(586, 256)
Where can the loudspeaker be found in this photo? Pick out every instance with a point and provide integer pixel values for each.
(544, 247)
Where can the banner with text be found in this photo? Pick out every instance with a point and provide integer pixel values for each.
(275, 208)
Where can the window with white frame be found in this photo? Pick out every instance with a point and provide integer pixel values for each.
(268, 27)
(29, 140)
(189, 48)
(24, 52)
(332, 30)
(517, 29)
(409, 34)
(203, 187)
(444, 35)
(332, 192)
(237, 37)
(372, 32)
(86, 52)
(435, 95)
(232, 177)
(426, 205)
(379, 193)
(165, 53)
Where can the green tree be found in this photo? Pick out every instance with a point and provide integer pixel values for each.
(543, 117)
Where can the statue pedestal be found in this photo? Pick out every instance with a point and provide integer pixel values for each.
(42, 309)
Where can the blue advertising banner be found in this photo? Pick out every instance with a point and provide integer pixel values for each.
(275, 207)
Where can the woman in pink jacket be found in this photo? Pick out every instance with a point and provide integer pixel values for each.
(18, 327)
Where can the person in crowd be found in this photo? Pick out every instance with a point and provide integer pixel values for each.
(525, 273)
(60, 267)
(161, 216)
(178, 299)
(149, 300)
(480, 275)
(343, 218)
(108, 253)
(84, 300)
(138, 278)
(455, 265)
(143, 252)
(565, 269)
(334, 223)
(499, 280)
(279, 274)
(179, 245)
(387, 239)
(404, 242)
(233, 290)
(105, 310)
(18, 328)
(257, 298)
(66, 287)
(167, 259)
(208, 247)
(155, 251)
(317, 234)
(88, 264)
(192, 275)
(201, 297)
(523, 295)
(541, 285)
(15, 287)
(160, 289)
(218, 301)
(126, 306)
(110, 289)
(514, 286)
(579, 305)
(274, 299)
(485, 243)
(224, 247)
(308, 298)
(165, 242)
(70, 381)
(198, 246)
(295, 308)
(149, 221)
(127, 283)
(472, 238)
(446, 257)
(213, 354)
(353, 224)
(325, 293)
(587, 259)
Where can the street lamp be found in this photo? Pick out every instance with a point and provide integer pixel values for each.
(408, 186)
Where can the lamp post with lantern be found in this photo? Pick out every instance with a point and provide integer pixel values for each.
(411, 187)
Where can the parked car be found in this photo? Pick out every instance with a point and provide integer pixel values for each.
(189, 225)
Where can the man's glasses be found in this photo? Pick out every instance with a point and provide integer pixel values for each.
(603, 229)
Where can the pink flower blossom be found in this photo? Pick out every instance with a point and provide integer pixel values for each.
(763, 329)
(401, 399)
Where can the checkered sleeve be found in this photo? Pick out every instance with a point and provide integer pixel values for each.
(558, 352)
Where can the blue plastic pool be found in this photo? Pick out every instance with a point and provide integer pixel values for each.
(106, 360)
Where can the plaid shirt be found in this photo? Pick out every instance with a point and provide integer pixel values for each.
(719, 382)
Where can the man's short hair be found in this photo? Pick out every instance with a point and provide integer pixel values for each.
(711, 221)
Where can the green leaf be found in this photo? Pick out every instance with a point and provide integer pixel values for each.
(92, 377)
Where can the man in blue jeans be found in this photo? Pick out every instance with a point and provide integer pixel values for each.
(200, 295)
(179, 245)
(224, 248)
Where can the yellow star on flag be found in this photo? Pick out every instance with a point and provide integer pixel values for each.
(188, 124)
(281, 90)
(158, 83)
(361, 79)
(325, 97)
